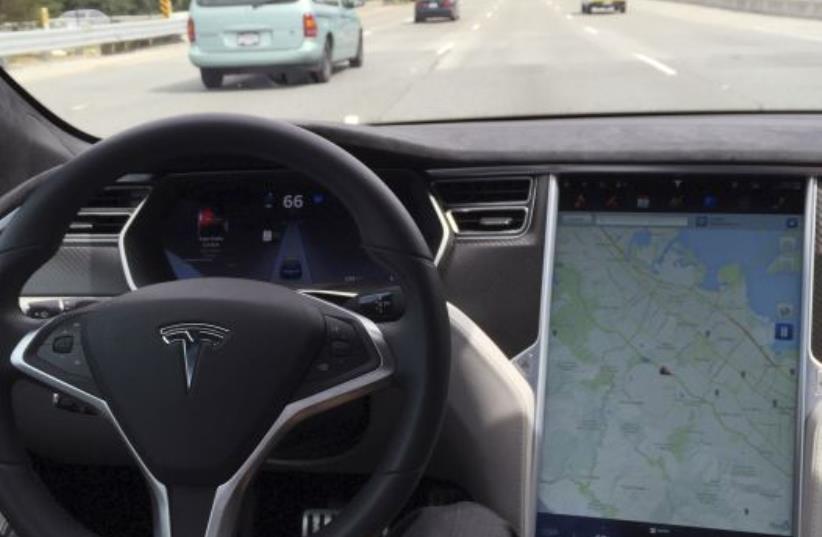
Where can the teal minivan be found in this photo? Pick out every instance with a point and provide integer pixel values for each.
(274, 37)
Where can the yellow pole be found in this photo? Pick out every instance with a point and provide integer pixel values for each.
(165, 8)
(44, 18)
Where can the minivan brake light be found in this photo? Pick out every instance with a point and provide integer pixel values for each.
(309, 25)
(192, 35)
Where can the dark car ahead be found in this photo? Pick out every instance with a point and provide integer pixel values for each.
(429, 9)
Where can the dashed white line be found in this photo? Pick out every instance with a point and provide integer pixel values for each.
(351, 119)
(78, 107)
(445, 49)
(569, 17)
(476, 27)
(366, 33)
(656, 64)
(591, 30)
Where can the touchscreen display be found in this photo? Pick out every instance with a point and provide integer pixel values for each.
(672, 370)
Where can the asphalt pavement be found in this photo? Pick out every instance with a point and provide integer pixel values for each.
(502, 58)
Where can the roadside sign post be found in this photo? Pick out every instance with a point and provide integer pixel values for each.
(45, 21)
(165, 8)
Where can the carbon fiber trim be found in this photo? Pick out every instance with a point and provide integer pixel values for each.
(5, 529)
(84, 270)
(496, 281)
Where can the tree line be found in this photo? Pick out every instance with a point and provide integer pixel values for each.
(28, 10)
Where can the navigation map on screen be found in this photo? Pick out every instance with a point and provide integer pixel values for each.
(670, 404)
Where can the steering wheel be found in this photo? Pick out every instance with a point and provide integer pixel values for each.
(201, 378)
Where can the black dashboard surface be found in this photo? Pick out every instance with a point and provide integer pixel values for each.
(784, 139)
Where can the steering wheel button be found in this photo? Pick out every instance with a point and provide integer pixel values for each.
(341, 348)
(339, 330)
(63, 344)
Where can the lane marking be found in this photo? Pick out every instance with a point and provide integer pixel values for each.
(656, 64)
(489, 14)
(476, 27)
(569, 17)
(591, 30)
(78, 107)
(445, 49)
(366, 33)
(409, 19)
(351, 119)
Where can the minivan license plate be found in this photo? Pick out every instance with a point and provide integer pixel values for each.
(248, 39)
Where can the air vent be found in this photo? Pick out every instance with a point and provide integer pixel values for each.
(489, 221)
(494, 190)
(106, 213)
(487, 206)
(99, 223)
(118, 197)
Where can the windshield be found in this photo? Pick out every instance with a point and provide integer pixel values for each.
(380, 61)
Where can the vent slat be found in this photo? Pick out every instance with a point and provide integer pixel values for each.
(482, 191)
(487, 205)
(490, 220)
(99, 224)
(106, 214)
(118, 197)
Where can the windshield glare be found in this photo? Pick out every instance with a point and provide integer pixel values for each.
(111, 64)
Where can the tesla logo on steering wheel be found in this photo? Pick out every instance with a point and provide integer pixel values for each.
(194, 339)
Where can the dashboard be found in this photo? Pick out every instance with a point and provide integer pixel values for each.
(651, 279)
(664, 336)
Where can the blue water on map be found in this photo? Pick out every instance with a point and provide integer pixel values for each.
(753, 251)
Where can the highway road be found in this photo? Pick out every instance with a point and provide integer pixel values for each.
(502, 58)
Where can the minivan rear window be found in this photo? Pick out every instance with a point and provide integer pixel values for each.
(215, 3)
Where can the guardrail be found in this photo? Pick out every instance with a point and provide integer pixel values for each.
(807, 9)
(40, 41)
(58, 22)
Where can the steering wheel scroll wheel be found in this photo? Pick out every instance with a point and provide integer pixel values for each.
(201, 378)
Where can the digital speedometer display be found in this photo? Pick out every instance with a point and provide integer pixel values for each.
(283, 230)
